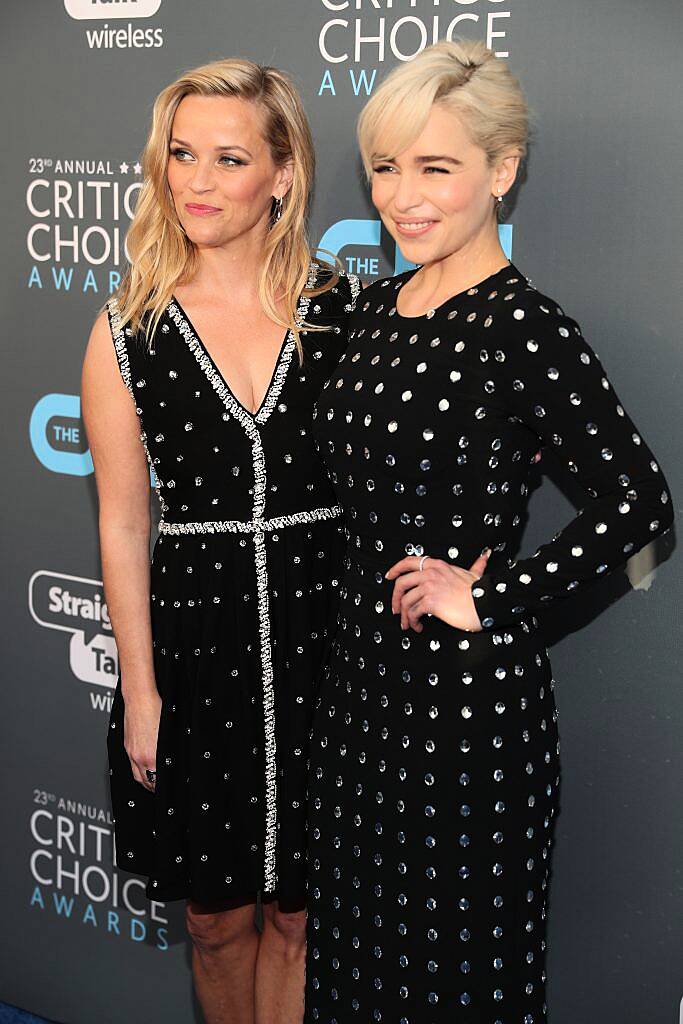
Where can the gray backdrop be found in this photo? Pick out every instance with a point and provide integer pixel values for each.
(596, 225)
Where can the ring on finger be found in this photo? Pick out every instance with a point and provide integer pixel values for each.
(151, 776)
(422, 562)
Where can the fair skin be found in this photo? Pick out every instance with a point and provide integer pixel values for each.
(222, 179)
(437, 200)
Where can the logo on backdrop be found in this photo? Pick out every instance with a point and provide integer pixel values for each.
(353, 39)
(58, 437)
(117, 37)
(73, 873)
(79, 211)
(76, 605)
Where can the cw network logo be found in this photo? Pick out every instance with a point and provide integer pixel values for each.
(57, 435)
(76, 605)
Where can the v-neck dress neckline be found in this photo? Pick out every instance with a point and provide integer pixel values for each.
(288, 336)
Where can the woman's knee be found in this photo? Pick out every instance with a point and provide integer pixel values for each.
(290, 928)
(213, 931)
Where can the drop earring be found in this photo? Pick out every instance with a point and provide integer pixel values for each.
(277, 209)
(499, 197)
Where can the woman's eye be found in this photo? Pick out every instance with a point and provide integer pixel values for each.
(440, 170)
(382, 168)
(183, 156)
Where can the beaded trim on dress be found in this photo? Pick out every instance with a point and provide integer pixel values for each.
(251, 525)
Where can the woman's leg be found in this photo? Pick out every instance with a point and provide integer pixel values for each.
(280, 967)
(225, 946)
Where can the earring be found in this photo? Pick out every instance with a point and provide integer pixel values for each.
(277, 209)
(500, 198)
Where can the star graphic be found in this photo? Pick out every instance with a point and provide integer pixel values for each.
(123, 168)
(137, 167)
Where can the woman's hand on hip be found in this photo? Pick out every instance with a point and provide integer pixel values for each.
(438, 589)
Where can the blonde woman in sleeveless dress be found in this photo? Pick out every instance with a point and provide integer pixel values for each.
(204, 370)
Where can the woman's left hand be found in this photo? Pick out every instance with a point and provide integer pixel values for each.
(439, 589)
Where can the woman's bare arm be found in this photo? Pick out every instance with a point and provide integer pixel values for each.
(122, 477)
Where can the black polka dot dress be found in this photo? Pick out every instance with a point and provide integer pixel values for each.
(434, 756)
(244, 585)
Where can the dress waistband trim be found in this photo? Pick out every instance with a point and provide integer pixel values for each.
(251, 525)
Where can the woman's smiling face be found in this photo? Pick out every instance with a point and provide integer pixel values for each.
(437, 196)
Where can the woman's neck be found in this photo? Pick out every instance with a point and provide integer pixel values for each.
(231, 269)
(458, 271)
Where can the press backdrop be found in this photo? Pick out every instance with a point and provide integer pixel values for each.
(597, 225)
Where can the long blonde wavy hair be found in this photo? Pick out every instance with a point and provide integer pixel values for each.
(161, 254)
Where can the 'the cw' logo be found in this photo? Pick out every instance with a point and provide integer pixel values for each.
(367, 234)
(57, 435)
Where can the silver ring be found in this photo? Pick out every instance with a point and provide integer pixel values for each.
(422, 562)
(151, 775)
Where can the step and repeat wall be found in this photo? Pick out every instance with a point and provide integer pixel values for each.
(595, 225)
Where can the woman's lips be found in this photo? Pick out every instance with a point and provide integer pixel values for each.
(200, 210)
(414, 228)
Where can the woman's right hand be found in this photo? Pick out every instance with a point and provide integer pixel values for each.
(140, 731)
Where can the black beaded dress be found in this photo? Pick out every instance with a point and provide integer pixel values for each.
(244, 585)
(435, 755)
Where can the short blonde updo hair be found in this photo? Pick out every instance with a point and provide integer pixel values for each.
(463, 76)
